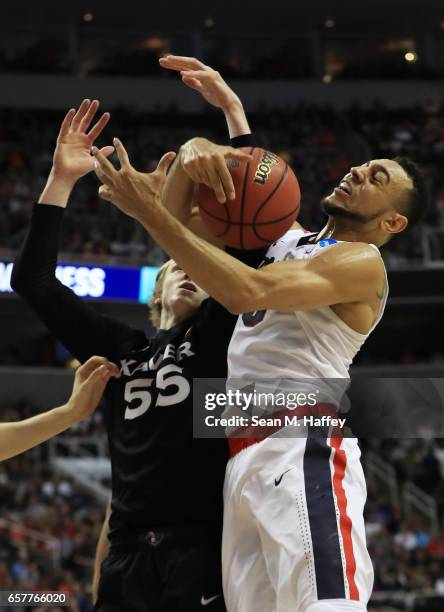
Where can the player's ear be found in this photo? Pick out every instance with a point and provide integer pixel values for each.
(395, 224)
(158, 301)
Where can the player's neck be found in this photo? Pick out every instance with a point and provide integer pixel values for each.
(348, 232)
(168, 319)
(327, 231)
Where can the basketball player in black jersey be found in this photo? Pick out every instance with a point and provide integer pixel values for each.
(166, 509)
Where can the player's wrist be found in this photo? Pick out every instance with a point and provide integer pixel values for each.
(66, 415)
(233, 106)
(237, 121)
(57, 190)
(62, 176)
(74, 411)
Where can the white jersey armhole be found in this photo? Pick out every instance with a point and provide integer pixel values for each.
(381, 309)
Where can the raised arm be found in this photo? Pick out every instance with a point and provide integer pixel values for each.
(89, 384)
(212, 87)
(344, 273)
(82, 330)
(183, 176)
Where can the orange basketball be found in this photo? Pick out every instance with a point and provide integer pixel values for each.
(266, 205)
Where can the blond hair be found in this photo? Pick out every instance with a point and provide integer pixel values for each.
(156, 309)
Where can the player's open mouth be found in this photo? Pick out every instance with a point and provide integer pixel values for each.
(189, 286)
(343, 189)
(344, 186)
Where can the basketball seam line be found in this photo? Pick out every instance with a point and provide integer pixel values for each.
(227, 212)
(244, 189)
(259, 223)
(267, 199)
(270, 195)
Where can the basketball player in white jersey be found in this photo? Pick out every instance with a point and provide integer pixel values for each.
(294, 534)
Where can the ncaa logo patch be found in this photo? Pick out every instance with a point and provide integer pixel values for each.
(327, 242)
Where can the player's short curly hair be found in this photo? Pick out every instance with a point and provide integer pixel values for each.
(156, 309)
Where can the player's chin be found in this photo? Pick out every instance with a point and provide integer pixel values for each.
(189, 300)
(332, 204)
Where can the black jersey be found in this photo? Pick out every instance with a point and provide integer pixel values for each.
(160, 474)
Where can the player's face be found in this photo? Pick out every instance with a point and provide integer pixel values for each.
(180, 295)
(368, 191)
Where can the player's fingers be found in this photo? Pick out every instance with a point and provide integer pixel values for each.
(100, 373)
(103, 163)
(165, 162)
(66, 123)
(88, 116)
(224, 176)
(83, 108)
(180, 62)
(122, 154)
(96, 130)
(97, 381)
(102, 176)
(92, 364)
(105, 193)
(193, 167)
(113, 369)
(192, 83)
(206, 76)
(210, 177)
(232, 153)
(107, 151)
(216, 185)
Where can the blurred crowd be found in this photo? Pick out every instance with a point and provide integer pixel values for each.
(408, 551)
(49, 526)
(91, 227)
(320, 144)
(117, 53)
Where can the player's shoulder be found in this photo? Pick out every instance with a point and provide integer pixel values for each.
(361, 251)
(213, 323)
(137, 342)
(210, 312)
(356, 249)
(361, 257)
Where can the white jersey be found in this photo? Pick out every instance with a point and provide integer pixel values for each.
(294, 344)
(294, 535)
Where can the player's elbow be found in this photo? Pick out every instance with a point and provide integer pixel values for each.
(26, 285)
(238, 306)
(246, 298)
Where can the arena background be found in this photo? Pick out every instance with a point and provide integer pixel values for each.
(325, 85)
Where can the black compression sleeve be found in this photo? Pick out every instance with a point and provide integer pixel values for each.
(246, 140)
(78, 326)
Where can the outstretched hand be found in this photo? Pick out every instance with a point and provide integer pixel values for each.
(208, 82)
(131, 191)
(89, 384)
(72, 155)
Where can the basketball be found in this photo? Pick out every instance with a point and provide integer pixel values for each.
(266, 205)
